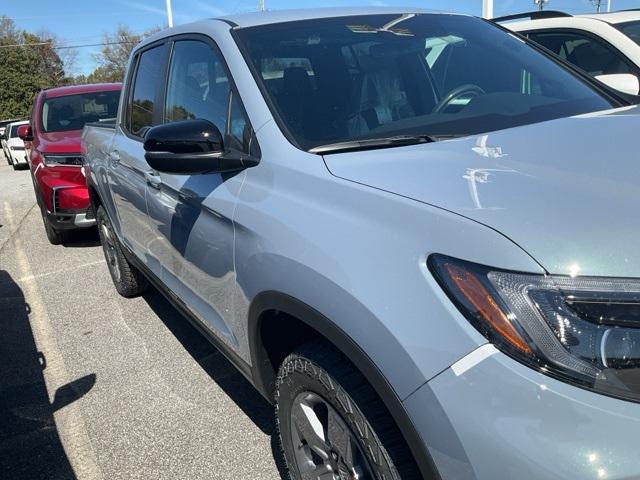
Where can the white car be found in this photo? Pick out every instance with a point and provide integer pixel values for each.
(13, 146)
(605, 45)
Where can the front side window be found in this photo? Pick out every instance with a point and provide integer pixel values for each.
(351, 78)
(147, 86)
(72, 112)
(13, 132)
(198, 86)
(584, 51)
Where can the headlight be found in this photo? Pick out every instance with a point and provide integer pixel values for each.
(583, 330)
(67, 160)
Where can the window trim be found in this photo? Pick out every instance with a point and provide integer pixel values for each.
(577, 31)
(233, 90)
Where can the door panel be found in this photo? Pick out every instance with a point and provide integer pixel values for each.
(192, 220)
(192, 215)
(128, 189)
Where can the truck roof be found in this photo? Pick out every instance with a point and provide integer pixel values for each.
(76, 89)
(615, 17)
(280, 16)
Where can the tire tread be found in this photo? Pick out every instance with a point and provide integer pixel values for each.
(364, 398)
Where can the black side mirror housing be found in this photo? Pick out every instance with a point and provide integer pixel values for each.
(190, 147)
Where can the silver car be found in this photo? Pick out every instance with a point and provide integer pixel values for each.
(412, 232)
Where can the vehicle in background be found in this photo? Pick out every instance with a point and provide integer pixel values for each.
(56, 157)
(383, 219)
(13, 146)
(605, 45)
(3, 125)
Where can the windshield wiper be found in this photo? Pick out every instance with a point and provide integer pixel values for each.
(373, 143)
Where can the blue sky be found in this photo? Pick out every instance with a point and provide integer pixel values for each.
(84, 22)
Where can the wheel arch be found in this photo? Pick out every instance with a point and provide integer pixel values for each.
(269, 303)
(98, 197)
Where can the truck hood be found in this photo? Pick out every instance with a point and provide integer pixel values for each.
(567, 191)
(60, 142)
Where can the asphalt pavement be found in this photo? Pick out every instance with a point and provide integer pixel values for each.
(95, 386)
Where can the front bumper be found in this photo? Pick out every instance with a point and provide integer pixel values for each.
(19, 157)
(70, 221)
(489, 417)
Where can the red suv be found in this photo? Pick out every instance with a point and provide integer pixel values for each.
(56, 156)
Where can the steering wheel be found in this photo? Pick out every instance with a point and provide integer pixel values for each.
(457, 92)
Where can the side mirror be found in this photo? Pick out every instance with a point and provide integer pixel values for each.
(623, 82)
(189, 147)
(25, 133)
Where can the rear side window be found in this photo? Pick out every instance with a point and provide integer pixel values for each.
(592, 55)
(144, 108)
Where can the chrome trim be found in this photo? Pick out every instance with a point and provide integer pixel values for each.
(54, 192)
(61, 155)
(81, 220)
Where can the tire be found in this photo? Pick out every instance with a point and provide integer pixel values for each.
(317, 387)
(128, 280)
(55, 237)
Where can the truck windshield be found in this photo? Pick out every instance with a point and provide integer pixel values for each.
(71, 112)
(377, 76)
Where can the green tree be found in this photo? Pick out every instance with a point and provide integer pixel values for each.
(28, 65)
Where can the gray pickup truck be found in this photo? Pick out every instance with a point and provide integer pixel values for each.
(404, 228)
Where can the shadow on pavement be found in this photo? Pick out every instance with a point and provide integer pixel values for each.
(220, 370)
(83, 237)
(30, 447)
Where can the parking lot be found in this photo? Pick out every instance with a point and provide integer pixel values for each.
(95, 386)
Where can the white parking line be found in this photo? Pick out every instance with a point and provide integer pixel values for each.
(61, 270)
(69, 421)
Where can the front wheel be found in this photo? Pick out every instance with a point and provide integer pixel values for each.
(331, 423)
(55, 237)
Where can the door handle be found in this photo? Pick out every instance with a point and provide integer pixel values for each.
(153, 179)
(114, 155)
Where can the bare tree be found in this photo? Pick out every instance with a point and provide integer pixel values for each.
(8, 31)
(68, 55)
(114, 55)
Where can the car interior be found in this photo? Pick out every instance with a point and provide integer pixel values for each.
(357, 82)
(72, 112)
